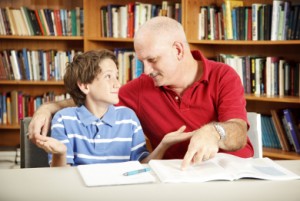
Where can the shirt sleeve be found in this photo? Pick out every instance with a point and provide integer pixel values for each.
(58, 132)
(138, 149)
(231, 102)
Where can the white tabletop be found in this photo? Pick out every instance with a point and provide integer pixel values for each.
(65, 184)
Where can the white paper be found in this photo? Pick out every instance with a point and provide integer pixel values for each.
(112, 174)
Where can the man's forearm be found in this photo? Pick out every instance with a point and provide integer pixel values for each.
(53, 107)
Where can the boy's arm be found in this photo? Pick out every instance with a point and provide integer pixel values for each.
(168, 140)
(40, 123)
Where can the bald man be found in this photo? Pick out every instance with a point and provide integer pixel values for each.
(179, 87)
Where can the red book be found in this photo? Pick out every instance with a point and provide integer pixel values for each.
(20, 106)
(57, 21)
(249, 24)
(130, 27)
(39, 22)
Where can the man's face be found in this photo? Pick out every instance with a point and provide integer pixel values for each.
(159, 59)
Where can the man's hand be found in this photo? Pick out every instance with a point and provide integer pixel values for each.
(203, 146)
(39, 124)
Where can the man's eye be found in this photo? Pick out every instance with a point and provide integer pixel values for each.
(152, 60)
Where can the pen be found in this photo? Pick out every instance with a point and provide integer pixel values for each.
(133, 172)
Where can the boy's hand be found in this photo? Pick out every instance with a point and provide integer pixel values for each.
(51, 145)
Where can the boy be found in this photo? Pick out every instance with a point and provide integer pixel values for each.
(96, 131)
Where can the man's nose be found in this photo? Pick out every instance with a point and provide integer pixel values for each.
(147, 68)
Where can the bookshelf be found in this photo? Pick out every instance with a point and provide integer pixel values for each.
(9, 134)
(92, 39)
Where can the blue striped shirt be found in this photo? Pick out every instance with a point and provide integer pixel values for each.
(116, 137)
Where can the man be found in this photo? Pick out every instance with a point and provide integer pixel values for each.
(179, 88)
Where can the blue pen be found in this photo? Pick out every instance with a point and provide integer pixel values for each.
(133, 172)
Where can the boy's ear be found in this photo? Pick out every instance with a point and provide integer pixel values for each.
(83, 87)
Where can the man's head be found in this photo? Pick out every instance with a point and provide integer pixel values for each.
(84, 74)
(161, 45)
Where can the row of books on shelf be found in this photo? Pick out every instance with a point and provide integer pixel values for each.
(122, 21)
(50, 64)
(129, 66)
(281, 130)
(24, 21)
(15, 105)
(34, 64)
(234, 21)
(271, 76)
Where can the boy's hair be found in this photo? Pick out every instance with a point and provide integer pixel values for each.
(84, 68)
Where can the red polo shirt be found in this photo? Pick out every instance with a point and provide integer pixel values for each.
(217, 96)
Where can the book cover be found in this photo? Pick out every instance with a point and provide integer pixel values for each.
(221, 167)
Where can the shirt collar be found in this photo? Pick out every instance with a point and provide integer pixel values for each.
(206, 69)
(87, 118)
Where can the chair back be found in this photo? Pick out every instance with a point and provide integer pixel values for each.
(31, 155)
(255, 133)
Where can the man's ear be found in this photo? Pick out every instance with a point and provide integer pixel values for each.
(83, 87)
(179, 48)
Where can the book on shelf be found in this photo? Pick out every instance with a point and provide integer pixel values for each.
(282, 136)
(104, 174)
(292, 120)
(221, 167)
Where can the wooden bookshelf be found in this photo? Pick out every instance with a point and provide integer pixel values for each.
(9, 134)
(92, 39)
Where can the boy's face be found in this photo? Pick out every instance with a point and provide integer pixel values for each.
(105, 87)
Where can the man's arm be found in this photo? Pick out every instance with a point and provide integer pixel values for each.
(40, 123)
(206, 141)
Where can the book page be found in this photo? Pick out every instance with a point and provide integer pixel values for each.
(221, 167)
(259, 168)
(169, 171)
(112, 174)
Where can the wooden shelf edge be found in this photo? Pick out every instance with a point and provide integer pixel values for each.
(280, 154)
(244, 42)
(10, 127)
(31, 82)
(42, 37)
(285, 99)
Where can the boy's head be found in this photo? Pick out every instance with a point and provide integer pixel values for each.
(83, 70)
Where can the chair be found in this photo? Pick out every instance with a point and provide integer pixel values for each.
(31, 155)
(255, 134)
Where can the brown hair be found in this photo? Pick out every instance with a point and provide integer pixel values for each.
(84, 68)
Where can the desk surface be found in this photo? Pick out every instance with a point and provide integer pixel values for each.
(55, 184)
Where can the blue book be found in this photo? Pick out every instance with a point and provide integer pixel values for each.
(292, 127)
(26, 63)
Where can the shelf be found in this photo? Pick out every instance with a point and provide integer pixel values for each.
(245, 42)
(30, 82)
(278, 99)
(280, 154)
(42, 37)
(110, 39)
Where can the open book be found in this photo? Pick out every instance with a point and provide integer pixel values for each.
(113, 174)
(222, 167)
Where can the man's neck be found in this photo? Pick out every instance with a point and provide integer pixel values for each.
(189, 77)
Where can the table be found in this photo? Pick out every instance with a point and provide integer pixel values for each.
(55, 184)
